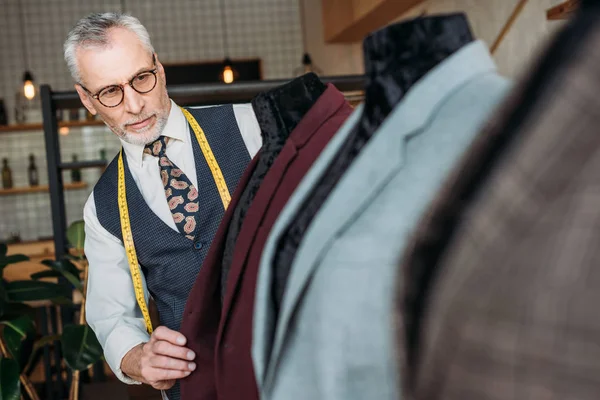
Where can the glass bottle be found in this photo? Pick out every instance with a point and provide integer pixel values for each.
(75, 172)
(7, 182)
(32, 172)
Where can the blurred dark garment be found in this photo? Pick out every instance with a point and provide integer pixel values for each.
(499, 291)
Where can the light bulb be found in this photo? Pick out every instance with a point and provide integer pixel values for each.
(29, 90)
(63, 130)
(227, 74)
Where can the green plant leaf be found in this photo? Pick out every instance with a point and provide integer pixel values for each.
(50, 339)
(80, 347)
(10, 386)
(12, 259)
(35, 290)
(67, 269)
(76, 234)
(19, 335)
(62, 301)
(46, 274)
(63, 265)
(3, 299)
(44, 341)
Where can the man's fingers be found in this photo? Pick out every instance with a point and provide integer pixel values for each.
(156, 375)
(170, 350)
(169, 335)
(163, 362)
(164, 385)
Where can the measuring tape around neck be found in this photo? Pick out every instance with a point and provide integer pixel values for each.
(210, 159)
(124, 211)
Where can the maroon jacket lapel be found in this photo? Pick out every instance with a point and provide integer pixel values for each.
(233, 361)
(330, 102)
(221, 336)
(203, 309)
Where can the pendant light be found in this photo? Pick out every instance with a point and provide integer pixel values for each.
(28, 81)
(228, 74)
(307, 63)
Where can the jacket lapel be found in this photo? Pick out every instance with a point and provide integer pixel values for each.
(263, 311)
(249, 229)
(380, 160)
(325, 107)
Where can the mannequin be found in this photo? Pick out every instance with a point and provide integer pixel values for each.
(429, 250)
(278, 112)
(396, 57)
(505, 213)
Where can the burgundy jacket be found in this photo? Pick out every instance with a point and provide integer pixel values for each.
(223, 342)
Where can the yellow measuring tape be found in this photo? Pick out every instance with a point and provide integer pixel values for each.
(210, 159)
(124, 212)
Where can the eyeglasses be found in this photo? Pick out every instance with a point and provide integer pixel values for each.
(113, 95)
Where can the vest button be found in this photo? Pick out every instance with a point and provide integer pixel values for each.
(198, 245)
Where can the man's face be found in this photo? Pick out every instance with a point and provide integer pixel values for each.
(140, 118)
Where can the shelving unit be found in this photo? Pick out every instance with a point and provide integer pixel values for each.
(41, 188)
(40, 127)
(563, 10)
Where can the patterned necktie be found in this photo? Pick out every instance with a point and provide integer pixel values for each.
(182, 196)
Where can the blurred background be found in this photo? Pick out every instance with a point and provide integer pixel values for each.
(267, 38)
(199, 42)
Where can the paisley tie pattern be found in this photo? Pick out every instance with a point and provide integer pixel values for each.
(181, 194)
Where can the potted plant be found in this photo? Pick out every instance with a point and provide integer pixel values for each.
(80, 348)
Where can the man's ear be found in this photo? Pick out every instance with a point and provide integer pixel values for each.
(161, 69)
(85, 99)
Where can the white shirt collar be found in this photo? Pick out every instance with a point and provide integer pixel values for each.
(175, 128)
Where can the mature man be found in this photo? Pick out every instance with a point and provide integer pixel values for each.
(153, 213)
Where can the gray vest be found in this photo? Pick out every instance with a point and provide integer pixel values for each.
(170, 261)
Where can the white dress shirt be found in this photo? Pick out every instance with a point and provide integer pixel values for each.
(111, 307)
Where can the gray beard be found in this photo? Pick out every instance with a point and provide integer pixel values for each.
(144, 137)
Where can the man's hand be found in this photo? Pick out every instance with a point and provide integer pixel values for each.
(160, 361)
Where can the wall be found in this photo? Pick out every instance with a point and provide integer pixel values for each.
(186, 30)
(181, 30)
(29, 215)
(333, 59)
(523, 42)
(487, 17)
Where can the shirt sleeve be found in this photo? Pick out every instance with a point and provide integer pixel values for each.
(111, 307)
(249, 127)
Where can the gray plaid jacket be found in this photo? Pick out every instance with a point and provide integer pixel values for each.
(499, 295)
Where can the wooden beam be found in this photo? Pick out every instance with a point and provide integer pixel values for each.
(506, 28)
(347, 21)
(563, 10)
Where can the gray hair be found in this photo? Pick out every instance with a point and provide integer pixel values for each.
(92, 31)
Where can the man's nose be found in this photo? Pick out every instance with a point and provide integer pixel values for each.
(134, 102)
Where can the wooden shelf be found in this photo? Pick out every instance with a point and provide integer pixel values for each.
(563, 10)
(83, 164)
(40, 127)
(40, 189)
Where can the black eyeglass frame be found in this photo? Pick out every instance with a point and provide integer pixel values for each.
(96, 96)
